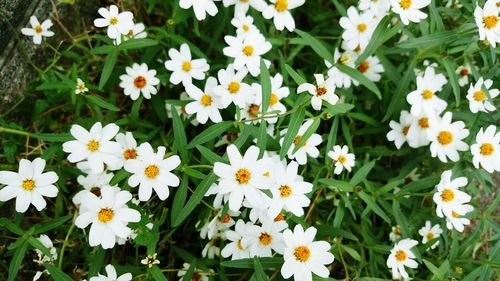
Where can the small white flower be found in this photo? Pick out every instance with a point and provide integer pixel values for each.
(111, 275)
(109, 216)
(261, 239)
(324, 91)
(304, 256)
(218, 224)
(399, 131)
(371, 68)
(358, 28)
(80, 87)
(402, 256)
(139, 80)
(421, 125)
(487, 22)
(308, 148)
(232, 89)
(430, 232)
(206, 104)
(92, 183)
(181, 110)
(247, 51)
(184, 68)
(463, 73)
(152, 172)
(129, 146)
(37, 30)
(236, 249)
(212, 248)
(278, 92)
(279, 11)
(379, 8)
(341, 79)
(197, 275)
(343, 159)
(409, 10)
(448, 196)
(480, 96)
(241, 6)
(117, 23)
(244, 24)
(200, 7)
(137, 32)
(424, 98)
(29, 185)
(42, 258)
(395, 234)
(456, 220)
(486, 149)
(446, 138)
(150, 260)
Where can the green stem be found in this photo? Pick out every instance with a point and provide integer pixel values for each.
(14, 131)
(70, 230)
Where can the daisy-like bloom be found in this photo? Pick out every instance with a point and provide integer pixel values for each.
(42, 258)
(232, 89)
(358, 28)
(304, 256)
(37, 30)
(448, 196)
(206, 104)
(430, 232)
(218, 224)
(486, 149)
(95, 146)
(278, 92)
(247, 51)
(421, 124)
(341, 79)
(137, 32)
(487, 22)
(289, 191)
(463, 73)
(129, 146)
(456, 220)
(343, 159)
(150, 260)
(409, 10)
(244, 24)
(446, 138)
(212, 248)
(371, 68)
(118, 23)
(308, 148)
(399, 131)
(264, 238)
(198, 275)
(424, 98)
(324, 91)
(80, 87)
(480, 96)
(402, 256)
(279, 11)
(151, 171)
(92, 183)
(241, 6)
(379, 8)
(111, 275)
(109, 216)
(395, 234)
(426, 63)
(139, 80)
(243, 177)
(29, 185)
(236, 249)
(183, 68)
(200, 7)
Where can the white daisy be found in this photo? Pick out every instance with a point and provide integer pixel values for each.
(463, 73)
(487, 22)
(430, 232)
(343, 159)
(183, 68)
(92, 183)
(421, 124)
(241, 6)
(424, 98)
(137, 32)
(402, 256)
(150, 260)
(279, 11)
(371, 68)
(358, 28)
(218, 224)
(308, 148)
(80, 87)
(244, 24)
(485, 151)
(480, 96)
(129, 146)
(341, 79)
(29, 185)
(247, 51)
(261, 239)
(399, 131)
(117, 23)
(206, 104)
(446, 138)
(395, 234)
(236, 249)
(232, 89)
(456, 220)
(109, 216)
(42, 258)
(324, 91)
(151, 171)
(447, 196)
(379, 8)
(111, 275)
(200, 7)
(304, 256)
(139, 80)
(37, 30)
(212, 248)
(409, 10)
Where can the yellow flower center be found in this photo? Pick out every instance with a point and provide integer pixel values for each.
(479, 96)
(152, 171)
(400, 255)
(455, 214)
(105, 215)
(487, 149)
(140, 82)
(427, 94)
(253, 110)
(423, 122)
(28, 184)
(320, 91)
(405, 130)
(233, 87)
(341, 159)
(130, 154)
(93, 145)
(490, 21)
(243, 176)
(397, 230)
(361, 27)
(186, 66)
(445, 137)
(38, 29)
(285, 191)
(297, 140)
(244, 1)
(281, 5)
(447, 195)
(265, 239)
(238, 244)
(302, 253)
(430, 236)
(279, 217)
(405, 4)
(113, 21)
(363, 67)
(81, 87)
(206, 100)
(248, 50)
(273, 100)
(246, 27)
(130, 33)
(344, 59)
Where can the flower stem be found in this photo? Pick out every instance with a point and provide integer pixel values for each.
(70, 230)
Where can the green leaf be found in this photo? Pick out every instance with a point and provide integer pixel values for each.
(307, 134)
(96, 261)
(316, 45)
(17, 259)
(49, 225)
(53, 137)
(450, 70)
(342, 185)
(362, 173)
(428, 41)
(157, 274)
(4, 222)
(108, 68)
(101, 103)
(179, 135)
(275, 262)
(189, 273)
(339, 108)
(295, 76)
(438, 274)
(208, 154)
(118, 177)
(52, 85)
(293, 128)
(260, 275)
(376, 39)
(56, 273)
(210, 133)
(356, 75)
(180, 197)
(402, 89)
(374, 206)
(265, 81)
(132, 44)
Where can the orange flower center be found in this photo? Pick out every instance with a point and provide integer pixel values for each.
(445, 137)
(273, 100)
(206, 100)
(430, 236)
(479, 96)
(447, 195)
(423, 122)
(28, 184)
(279, 217)
(490, 21)
(38, 29)
(238, 244)
(226, 218)
(405, 130)
(297, 140)
(152, 171)
(130, 154)
(105, 215)
(363, 67)
(233, 87)
(243, 176)
(320, 91)
(487, 149)
(464, 72)
(265, 239)
(113, 21)
(140, 82)
(253, 110)
(302, 253)
(281, 5)
(341, 159)
(400, 255)
(285, 191)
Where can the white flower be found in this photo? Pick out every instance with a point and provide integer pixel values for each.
(289, 191)
(92, 183)
(446, 138)
(232, 89)
(197, 275)
(139, 80)
(421, 124)
(448, 196)
(181, 109)
(129, 146)
(111, 275)
(150, 260)
(247, 51)
(241, 6)
(358, 28)
(42, 258)
(29, 185)
(308, 147)
(95, 146)
(456, 220)
(137, 32)
(201, 7)
(236, 249)
(486, 149)
(278, 92)
(37, 30)
(379, 8)
(109, 216)
(304, 256)
(80, 87)
(371, 68)
(279, 11)
(184, 68)
(244, 24)
(324, 91)
(243, 177)
(395, 234)
(212, 248)
(424, 98)
(151, 171)
(218, 224)
(117, 23)
(343, 159)
(430, 232)
(480, 96)
(402, 256)
(206, 104)
(463, 73)
(399, 131)
(487, 22)
(341, 79)
(409, 10)
(261, 239)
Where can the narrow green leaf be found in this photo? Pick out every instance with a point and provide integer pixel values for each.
(179, 135)
(108, 68)
(428, 41)
(339, 108)
(265, 82)
(53, 137)
(157, 274)
(208, 154)
(118, 177)
(342, 185)
(316, 45)
(374, 206)
(275, 262)
(260, 275)
(307, 134)
(180, 197)
(295, 76)
(434, 269)
(450, 70)
(17, 259)
(56, 273)
(132, 44)
(210, 133)
(395, 104)
(355, 74)
(4, 222)
(102, 103)
(293, 128)
(38, 245)
(362, 173)
(376, 39)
